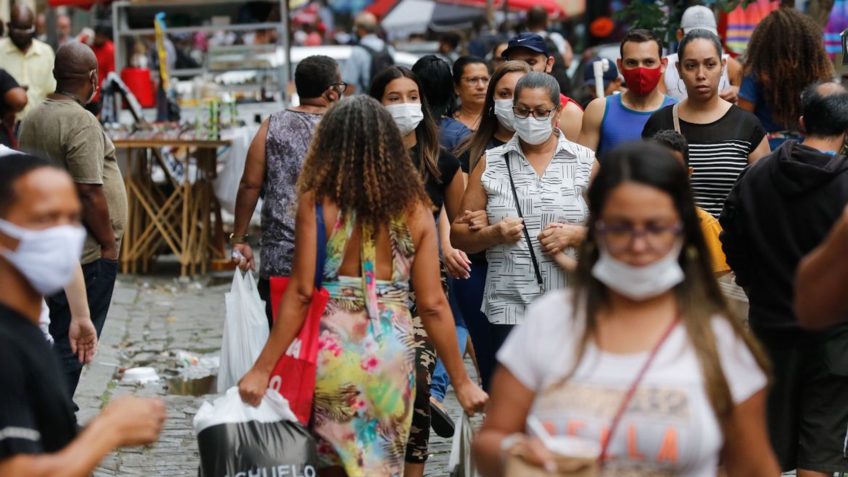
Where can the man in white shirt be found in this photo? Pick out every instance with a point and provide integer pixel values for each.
(357, 69)
(28, 60)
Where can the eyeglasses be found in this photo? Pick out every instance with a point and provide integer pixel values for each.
(341, 86)
(477, 79)
(619, 237)
(539, 114)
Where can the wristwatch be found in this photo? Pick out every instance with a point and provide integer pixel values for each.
(238, 238)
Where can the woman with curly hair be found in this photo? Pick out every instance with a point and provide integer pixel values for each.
(358, 181)
(785, 55)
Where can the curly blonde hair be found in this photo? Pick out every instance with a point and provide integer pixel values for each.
(357, 160)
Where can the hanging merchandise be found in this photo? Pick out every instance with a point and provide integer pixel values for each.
(741, 23)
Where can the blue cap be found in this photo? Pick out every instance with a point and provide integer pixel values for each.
(530, 41)
(589, 73)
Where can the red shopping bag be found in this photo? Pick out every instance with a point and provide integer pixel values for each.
(294, 375)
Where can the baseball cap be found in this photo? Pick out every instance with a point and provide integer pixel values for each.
(589, 73)
(698, 17)
(530, 41)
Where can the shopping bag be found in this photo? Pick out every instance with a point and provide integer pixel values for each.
(294, 374)
(460, 463)
(236, 439)
(245, 330)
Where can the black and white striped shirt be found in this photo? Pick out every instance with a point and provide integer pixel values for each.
(718, 151)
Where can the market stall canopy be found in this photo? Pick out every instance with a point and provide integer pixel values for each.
(417, 16)
(383, 8)
(78, 3)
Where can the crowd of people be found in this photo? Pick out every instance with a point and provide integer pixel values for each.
(469, 206)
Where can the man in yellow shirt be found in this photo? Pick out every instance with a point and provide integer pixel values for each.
(709, 224)
(28, 60)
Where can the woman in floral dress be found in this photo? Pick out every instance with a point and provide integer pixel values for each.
(382, 235)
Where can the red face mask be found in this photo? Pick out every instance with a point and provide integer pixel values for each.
(642, 80)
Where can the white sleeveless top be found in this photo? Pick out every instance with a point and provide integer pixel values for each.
(556, 196)
(674, 85)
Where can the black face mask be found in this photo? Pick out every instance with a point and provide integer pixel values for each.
(21, 38)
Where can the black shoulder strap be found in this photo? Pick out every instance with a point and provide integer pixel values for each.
(521, 216)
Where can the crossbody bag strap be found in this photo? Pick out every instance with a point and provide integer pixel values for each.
(321, 255)
(524, 225)
(616, 420)
(675, 117)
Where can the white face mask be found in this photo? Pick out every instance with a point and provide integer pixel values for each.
(47, 258)
(503, 111)
(407, 116)
(640, 283)
(532, 131)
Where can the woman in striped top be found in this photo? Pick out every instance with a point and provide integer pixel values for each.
(723, 138)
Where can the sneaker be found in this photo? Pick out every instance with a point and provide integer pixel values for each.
(440, 420)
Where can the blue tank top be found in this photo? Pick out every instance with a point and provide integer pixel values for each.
(622, 124)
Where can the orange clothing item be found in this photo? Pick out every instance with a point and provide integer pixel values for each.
(711, 230)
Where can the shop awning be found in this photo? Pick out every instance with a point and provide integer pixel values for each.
(382, 8)
(77, 3)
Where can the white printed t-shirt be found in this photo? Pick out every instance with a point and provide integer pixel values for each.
(669, 427)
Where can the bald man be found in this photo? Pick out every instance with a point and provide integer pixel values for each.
(357, 70)
(27, 59)
(61, 129)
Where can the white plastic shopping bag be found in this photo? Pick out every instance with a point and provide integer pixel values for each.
(460, 463)
(245, 330)
(236, 439)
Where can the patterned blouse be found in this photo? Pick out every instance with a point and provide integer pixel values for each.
(289, 135)
(556, 196)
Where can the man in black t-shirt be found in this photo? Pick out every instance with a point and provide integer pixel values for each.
(40, 244)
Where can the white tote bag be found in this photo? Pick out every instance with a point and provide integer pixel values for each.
(460, 463)
(245, 330)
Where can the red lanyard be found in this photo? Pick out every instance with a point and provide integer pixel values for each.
(632, 391)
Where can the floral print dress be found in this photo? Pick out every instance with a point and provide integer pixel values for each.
(365, 382)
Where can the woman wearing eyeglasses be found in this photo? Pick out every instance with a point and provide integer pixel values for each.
(641, 359)
(471, 78)
(524, 206)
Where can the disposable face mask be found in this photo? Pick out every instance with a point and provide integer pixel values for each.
(640, 283)
(503, 111)
(407, 116)
(532, 131)
(47, 258)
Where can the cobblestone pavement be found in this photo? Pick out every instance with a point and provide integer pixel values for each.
(150, 319)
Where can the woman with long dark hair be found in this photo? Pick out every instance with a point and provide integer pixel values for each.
(785, 55)
(399, 90)
(723, 138)
(381, 237)
(641, 362)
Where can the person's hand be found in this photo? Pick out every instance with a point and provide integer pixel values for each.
(457, 263)
(510, 230)
(535, 453)
(253, 385)
(83, 338)
(243, 254)
(476, 220)
(470, 396)
(730, 94)
(109, 252)
(557, 237)
(136, 421)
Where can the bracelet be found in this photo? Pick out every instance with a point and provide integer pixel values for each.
(238, 238)
(509, 442)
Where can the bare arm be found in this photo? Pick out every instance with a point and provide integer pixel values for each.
(473, 239)
(506, 414)
(248, 192)
(95, 216)
(82, 334)
(293, 305)
(435, 312)
(590, 133)
(571, 120)
(747, 449)
(126, 421)
(822, 280)
(762, 150)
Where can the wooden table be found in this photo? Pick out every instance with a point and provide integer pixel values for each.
(177, 214)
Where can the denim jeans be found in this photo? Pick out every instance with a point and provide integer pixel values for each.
(100, 278)
(441, 380)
